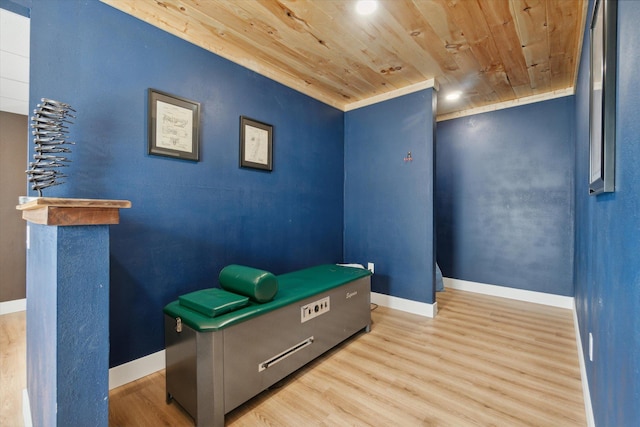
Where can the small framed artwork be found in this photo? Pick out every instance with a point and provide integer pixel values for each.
(602, 99)
(256, 144)
(174, 126)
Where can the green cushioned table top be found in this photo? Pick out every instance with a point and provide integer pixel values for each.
(212, 302)
(292, 287)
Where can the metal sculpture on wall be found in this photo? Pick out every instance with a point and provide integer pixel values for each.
(50, 138)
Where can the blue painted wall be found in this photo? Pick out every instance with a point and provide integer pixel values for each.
(42, 337)
(188, 219)
(388, 204)
(67, 324)
(608, 241)
(504, 197)
(18, 8)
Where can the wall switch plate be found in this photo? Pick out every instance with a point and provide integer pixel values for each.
(370, 267)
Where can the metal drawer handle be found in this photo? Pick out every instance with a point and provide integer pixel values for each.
(288, 352)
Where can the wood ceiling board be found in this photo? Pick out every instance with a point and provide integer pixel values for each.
(531, 22)
(375, 49)
(352, 52)
(523, 90)
(476, 88)
(268, 44)
(492, 50)
(564, 23)
(416, 42)
(452, 40)
(503, 29)
(469, 17)
(410, 20)
(322, 47)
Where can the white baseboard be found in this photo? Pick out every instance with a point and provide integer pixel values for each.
(583, 373)
(136, 369)
(511, 293)
(409, 306)
(26, 409)
(14, 306)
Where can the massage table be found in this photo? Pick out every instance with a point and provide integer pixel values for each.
(226, 345)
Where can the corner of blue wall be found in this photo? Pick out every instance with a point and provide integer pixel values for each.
(388, 218)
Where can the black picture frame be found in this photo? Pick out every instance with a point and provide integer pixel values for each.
(174, 126)
(602, 100)
(256, 144)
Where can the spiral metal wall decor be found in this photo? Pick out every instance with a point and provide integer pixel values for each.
(50, 132)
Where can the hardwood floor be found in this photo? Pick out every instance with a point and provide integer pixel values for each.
(13, 368)
(482, 361)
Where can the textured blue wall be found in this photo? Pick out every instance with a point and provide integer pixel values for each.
(608, 241)
(67, 325)
(389, 202)
(188, 219)
(42, 327)
(504, 197)
(18, 8)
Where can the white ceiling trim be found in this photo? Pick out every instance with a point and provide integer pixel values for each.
(508, 104)
(431, 83)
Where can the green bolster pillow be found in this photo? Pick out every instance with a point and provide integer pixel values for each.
(258, 285)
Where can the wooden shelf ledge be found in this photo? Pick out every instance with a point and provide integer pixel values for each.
(63, 211)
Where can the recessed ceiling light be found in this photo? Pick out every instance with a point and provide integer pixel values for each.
(453, 96)
(366, 7)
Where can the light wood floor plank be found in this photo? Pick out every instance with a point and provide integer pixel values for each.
(13, 368)
(483, 361)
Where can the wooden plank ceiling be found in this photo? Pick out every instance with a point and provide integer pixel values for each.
(490, 50)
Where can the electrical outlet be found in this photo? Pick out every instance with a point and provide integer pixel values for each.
(370, 267)
(590, 347)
